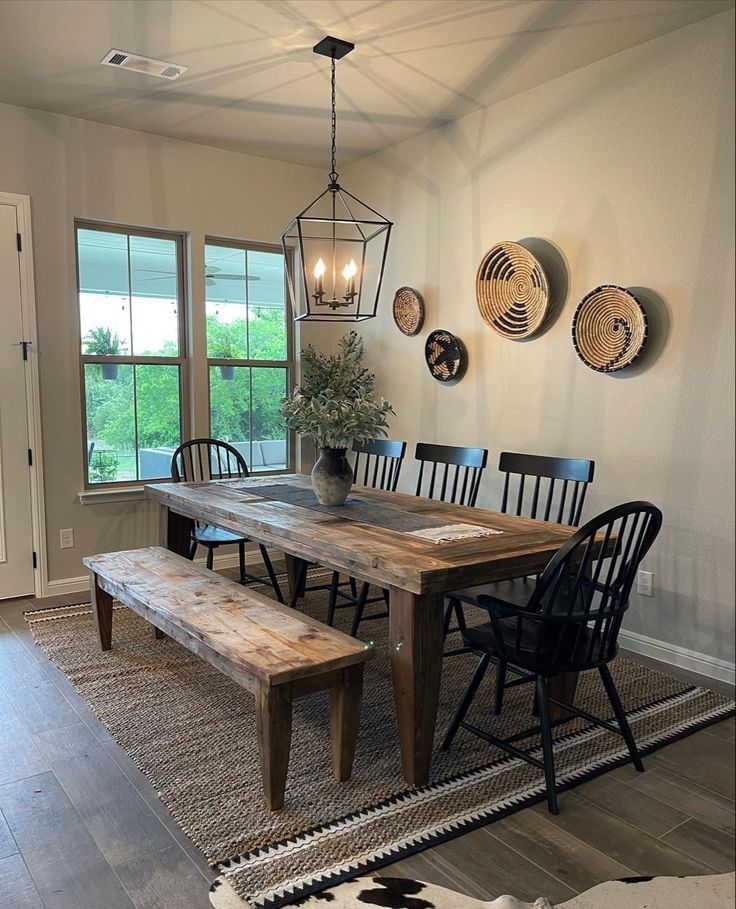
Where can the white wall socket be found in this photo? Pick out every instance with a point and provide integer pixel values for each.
(66, 538)
(645, 583)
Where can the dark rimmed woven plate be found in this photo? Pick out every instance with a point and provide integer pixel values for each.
(609, 328)
(512, 291)
(408, 310)
(445, 355)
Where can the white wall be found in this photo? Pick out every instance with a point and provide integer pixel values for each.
(626, 168)
(76, 169)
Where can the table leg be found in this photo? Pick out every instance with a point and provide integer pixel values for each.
(102, 609)
(293, 573)
(178, 533)
(415, 645)
(562, 687)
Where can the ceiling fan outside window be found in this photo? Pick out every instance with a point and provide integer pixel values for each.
(212, 274)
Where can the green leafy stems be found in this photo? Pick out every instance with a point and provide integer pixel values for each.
(103, 342)
(335, 403)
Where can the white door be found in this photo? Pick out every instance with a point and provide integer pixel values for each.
(16, 535)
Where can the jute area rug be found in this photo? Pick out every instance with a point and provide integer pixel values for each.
(192, 732)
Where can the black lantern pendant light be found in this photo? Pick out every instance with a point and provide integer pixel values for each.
(335, 250)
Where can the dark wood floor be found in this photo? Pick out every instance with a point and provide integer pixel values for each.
(81, 827)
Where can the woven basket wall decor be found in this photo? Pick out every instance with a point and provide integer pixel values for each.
(609, 328)
(445, 356)
(512, 291)
(408, 310)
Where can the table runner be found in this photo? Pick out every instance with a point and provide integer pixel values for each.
(427, 528)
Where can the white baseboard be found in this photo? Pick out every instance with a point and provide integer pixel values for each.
(67, 586)
(674, 655)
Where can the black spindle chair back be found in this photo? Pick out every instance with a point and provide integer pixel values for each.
(207, 459)
(572, 620)
(437, 479)
(211, 459)
(550, 489)
(378, 463)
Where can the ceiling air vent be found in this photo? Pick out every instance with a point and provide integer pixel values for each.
(146, 65)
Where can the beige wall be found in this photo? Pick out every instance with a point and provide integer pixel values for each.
(625, 167)
(72, 168)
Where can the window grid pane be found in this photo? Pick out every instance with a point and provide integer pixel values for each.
(246, 315)
(130, 309)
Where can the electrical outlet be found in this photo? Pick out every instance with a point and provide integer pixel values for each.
(66, 538)
(645, 583)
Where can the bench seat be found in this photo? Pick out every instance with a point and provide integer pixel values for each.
(274, 651)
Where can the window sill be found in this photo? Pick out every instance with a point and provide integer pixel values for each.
(109, 496)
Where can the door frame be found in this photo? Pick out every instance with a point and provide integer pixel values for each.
(22, 206)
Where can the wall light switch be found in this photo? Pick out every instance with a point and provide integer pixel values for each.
(66, 538)
(645, 583)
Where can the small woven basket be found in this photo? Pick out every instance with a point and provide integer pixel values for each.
(408, 310)
(512, 291)
(609, 328)
(445, 356)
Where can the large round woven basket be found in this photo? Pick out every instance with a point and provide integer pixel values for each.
(609, 328)
(445, 356)
(408, 310)
(512, 291)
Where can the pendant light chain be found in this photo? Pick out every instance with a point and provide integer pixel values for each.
(333, 172)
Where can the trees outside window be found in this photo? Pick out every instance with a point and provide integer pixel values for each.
(248, 350)
(131, 314)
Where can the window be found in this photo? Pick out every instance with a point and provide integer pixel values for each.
(249, 350)
(131, 316)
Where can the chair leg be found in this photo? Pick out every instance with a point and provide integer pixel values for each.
(359, 607)
(298, 591)
(334, 584)
(210, 556)
(500, 685)
(241, 561)
(192, 550)
(271, 573)
(353, 588)
(480, 671)
(620, 715)
(460, 615)
(449, 609)
(547, 748)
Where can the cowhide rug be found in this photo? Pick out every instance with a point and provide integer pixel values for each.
(714, 891)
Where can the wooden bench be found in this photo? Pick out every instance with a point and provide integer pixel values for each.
(273, 651)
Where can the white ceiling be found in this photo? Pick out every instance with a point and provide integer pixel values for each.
(254, 85)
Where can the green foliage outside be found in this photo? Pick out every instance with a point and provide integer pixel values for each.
(335, 404)
(111, 404)
(104, 342)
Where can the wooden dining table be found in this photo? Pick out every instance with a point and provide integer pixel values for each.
(417, 572)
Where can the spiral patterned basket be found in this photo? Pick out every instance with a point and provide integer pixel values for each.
(512, 291)
(408, 310)
(445, 356)
(609, 328)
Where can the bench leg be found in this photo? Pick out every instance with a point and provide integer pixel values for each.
(158, 634)
(345, 699)
(273, 721)
(102, 609)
